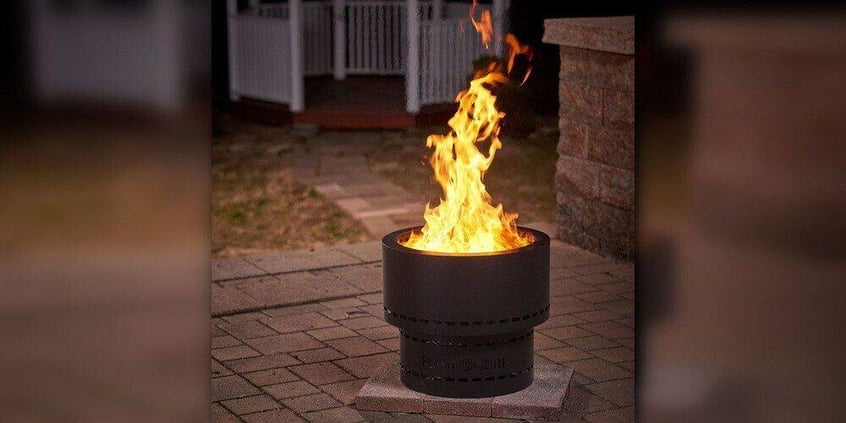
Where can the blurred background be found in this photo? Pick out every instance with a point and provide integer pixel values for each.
(110, 110)
(104, 233)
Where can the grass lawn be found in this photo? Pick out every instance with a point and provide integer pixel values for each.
(258, 207)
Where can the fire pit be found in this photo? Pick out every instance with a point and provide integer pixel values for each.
(466, 320)
(468, 287)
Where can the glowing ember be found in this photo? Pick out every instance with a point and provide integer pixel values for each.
(465, 221)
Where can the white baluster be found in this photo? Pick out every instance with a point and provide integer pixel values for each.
(232, 20)
(340, 45)
(297, 83)
(499, 25)
(412, 76)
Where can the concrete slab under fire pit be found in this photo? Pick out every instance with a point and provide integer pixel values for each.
(543, 400)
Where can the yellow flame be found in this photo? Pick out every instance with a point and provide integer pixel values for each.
(465, 221)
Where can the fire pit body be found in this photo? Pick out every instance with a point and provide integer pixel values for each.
(466, 320)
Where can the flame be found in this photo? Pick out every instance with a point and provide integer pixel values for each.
(465, 221)
(514, 49)
(484, 26)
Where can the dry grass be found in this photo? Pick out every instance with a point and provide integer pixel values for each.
(257, 206)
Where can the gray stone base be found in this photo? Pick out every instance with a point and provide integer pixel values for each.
(541, 401)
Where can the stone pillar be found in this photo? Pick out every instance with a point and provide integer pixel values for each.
(595, 178)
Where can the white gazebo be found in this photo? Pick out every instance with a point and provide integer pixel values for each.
(274, 46)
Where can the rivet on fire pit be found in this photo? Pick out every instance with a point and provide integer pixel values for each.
(466, 320)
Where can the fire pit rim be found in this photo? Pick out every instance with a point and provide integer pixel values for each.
(466, 317)
(391, 241)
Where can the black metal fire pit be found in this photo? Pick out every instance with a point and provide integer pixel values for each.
(466, 320)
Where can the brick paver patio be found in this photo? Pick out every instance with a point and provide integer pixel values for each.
(295, 335)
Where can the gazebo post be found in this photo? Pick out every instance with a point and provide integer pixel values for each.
(412, 75)
(499, 25)
(296, 24)
(232, 40)
(339, 44)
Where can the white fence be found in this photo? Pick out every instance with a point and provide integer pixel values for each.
(265, 65)
(447, 50)
(260, 47)
(317, 39)
(317, 33)
(376, 37)
(376, 34)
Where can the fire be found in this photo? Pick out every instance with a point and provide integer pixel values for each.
(484, 26)
(465, 221)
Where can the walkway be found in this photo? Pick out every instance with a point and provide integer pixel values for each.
(295, 335)
(338, 170)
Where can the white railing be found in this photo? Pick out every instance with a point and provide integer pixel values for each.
(373, 36)
(317, 33)
(376, 37)
(448, 48)
(317, 40)
(263, 58)
(279, 10)
(376, 34)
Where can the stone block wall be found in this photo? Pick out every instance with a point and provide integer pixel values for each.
(595, 175)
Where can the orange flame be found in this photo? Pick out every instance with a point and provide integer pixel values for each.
(514, 49)
(465, 221)
(484, 26)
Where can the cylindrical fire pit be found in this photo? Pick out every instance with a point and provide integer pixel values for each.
(466, 320)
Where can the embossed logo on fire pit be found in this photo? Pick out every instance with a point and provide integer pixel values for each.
(466, 364)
